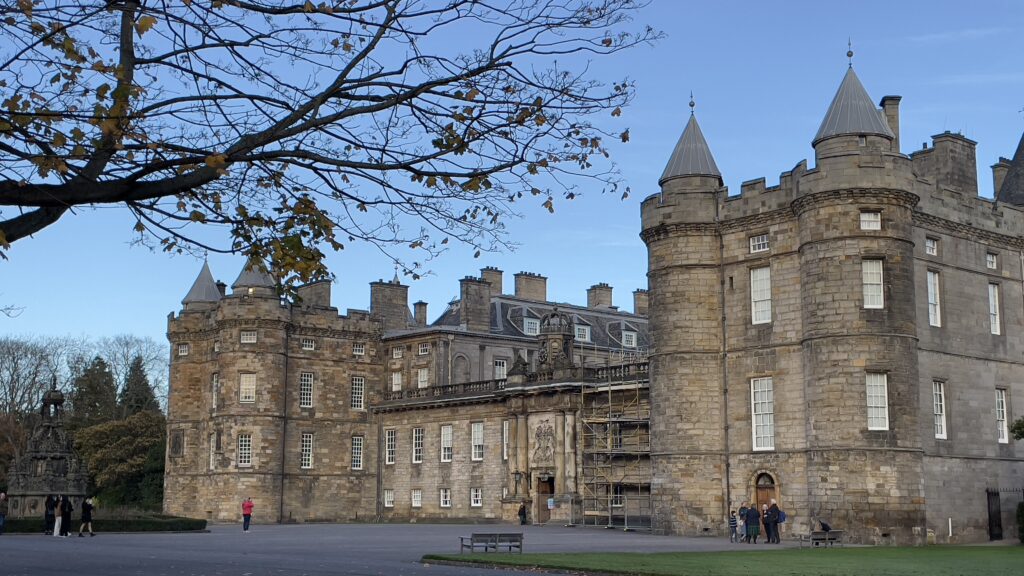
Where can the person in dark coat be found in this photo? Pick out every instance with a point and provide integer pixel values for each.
(771, 523)
(49, 517)
(522, 514)
(86, 517)
(753, 521)
(65, 516)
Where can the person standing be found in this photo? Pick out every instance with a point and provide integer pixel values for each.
(741, 522)
(3, 511)
(86, 517)
(65, 516)
(753, 521)
(733, 535)
(57, 516)
(247, 506)
(767, 526)
(772, 522)
(48, 513)
(522, 514)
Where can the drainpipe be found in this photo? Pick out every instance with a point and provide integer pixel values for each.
(284, 424)
(725, 367)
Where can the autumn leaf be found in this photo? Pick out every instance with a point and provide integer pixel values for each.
(145, 24)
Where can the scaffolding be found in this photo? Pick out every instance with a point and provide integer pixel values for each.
(616, 444)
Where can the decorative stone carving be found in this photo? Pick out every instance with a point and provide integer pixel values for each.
(544, 440)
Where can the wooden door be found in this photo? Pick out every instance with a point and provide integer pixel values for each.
(766, 490)
(545, 490)
(995, 518)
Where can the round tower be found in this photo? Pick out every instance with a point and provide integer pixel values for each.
(684, 258)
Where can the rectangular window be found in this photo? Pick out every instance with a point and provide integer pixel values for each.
(618, 496)
(583, 333)
(417, 445)
(390, 441)
(305, 390)
(761, 295)
(396, 381)
(446, 443)
(931, 246)
(762, 406)
(991, 260)
(422, 377)
(500, 369)
(245, 450)
(417, 497)
(759, 243)
(248, 337)
(476, 497)
(477, 440)
(870, 220)
(183, 349)
(446, 498)
(214, 389)
(216, 346)
(934, 300)
(247, 388)
(504, 440)
(424, 348)
(358, 393)
(306, 451)
(878, 401)
(939, 408)
(1001, 416)
(396, 352)
(213, 452)
(531, 326)
(358, 349)
(357, 452)
(308, 344)
(389, 497)
(872, 277)
(993, 309)
(629, 339)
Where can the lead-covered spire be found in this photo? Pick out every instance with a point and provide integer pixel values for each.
(692, 156)
(1012, 190)
(254, 275)
(852, 112)
(204, 289)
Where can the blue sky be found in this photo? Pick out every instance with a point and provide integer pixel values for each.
(762, 74)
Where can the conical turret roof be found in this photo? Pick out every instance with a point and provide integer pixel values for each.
(1012, 190)
(204, 289)
(691, 156)
(852, 112)
(254, 275)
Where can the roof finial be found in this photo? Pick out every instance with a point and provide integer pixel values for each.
(396, 280)
(849, 50)
(692, 103)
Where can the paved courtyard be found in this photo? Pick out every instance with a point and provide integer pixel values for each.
(306, 549)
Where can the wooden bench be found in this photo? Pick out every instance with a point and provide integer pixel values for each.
(492, 542)
(822, 538)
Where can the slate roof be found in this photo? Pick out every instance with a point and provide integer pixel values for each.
(691, 156)
(204, 289)
(254, 275)
(1012, 190)
(852, 112)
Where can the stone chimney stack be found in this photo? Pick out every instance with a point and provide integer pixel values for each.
(389, 303)
(640, 302)
(476, 304)
(531, 286)
(316, 294)
(223, 287)
(420, 313)
(891, 108)
(493, 276)
(999, 170)
(599, 296)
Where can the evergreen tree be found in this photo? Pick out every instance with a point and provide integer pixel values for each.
(137, 395)
(94, 397)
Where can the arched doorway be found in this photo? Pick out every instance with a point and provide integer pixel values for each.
(766, 489)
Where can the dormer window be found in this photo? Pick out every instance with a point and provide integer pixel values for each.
(583, 333)
(870, 220)
(629, 339)
(531, 326)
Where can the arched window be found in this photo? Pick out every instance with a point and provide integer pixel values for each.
(461, 369)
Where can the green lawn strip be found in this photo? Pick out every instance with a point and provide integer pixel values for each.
(930, 561)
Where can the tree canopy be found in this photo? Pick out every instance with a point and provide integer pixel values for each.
(136, 394)
(93, 397)
(300, 126)
(126, 457)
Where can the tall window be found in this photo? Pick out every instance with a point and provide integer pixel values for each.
(870, 220)
(1001, 416)
(761, 295)
(417, 497)
(396, 352)
(357, 452)
(934, 302)
(504, 439)
(878, 401)
(476, 497)
(213, 452)
(305, 390)
(358, 393)
(618, 496)
(939, 408)
(531, 326)
(477, 440)
(216, 346)
(390, 441)
(358, 349)
(247, 388)
(629, 339)
(244, 450)
(248, 337)
(417, 445)
(993, 309)
(306, 460)
(500, 369)
(872, 276)
(422, 377)
(446, 443)
(759, 243)
(446, 497)
(396, 381)
(583, 333)
(214, 389)
(183, 349)
(308, 344)
(931, 246)
(424, 348)
(389, 497)
(762, 406)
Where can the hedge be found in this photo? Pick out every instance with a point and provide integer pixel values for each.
(158, 523)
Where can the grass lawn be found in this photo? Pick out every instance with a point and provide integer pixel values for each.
(927, 561)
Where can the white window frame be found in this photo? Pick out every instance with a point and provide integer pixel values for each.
(416, 497)
(931, 246)
(991, 260)
(243, 458)
(1002, 433)
(214, 389)
(390, 445)
(582, 333)
(762, 413)
(628, 339)
(531, 326)
(358, 349)
(873, 279)
(306, 451)
(183, 349)
(397, 352)
(216, 346)
(357, 398)
(389, 497)
(447, 449)
(500, 369)
(994, 321)
(939, 408)
(446, 498)
(504, 439)
(422, 377)
(417, 445)
(476, 497)
(934, 298)
(761, 295)
(618, 496)
(248, 336)
(308, 344)
(396, 381)
(357, 452)
(424, 348)
(877, 390)
(759, 243)
(247, 388)
(305, 389)
(870, 220)
(476, 441)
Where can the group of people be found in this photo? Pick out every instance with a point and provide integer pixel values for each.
(745, 525)
(57, 514)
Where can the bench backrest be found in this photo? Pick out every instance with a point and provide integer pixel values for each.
(835, 534)
(818, 535)
(497, 537)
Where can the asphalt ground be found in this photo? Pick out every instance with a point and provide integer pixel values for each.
(308, 549)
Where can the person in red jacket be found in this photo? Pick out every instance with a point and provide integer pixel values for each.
(247, 506)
